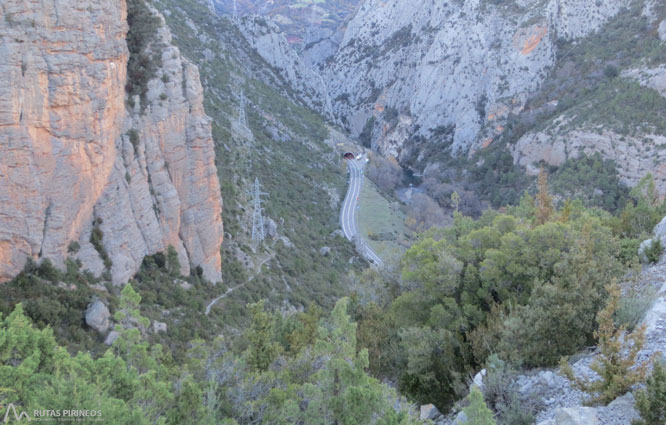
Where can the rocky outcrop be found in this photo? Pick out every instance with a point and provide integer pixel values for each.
(635, 156)
(97, 316)
(68, 167)
(272, 45)
(461, 66)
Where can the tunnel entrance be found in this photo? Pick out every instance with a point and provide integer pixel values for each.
(349, 155)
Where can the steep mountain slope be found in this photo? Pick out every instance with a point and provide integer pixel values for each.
(456, 65)
(82, 176)
(604, 95)
(305, 22)
(289, 149)
(422, 81)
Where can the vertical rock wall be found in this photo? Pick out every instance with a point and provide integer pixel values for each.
(66, 161)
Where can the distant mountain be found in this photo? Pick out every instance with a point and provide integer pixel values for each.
(304, 22)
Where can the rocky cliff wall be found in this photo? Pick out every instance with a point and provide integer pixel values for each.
(67, 164)
(458, 65)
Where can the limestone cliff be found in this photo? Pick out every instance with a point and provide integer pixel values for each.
(67, 164)
(461, 66)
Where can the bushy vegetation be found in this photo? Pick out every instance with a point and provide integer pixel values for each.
(300, 173)
(617, 363)
(135, 382)
(593, 180)
(501, 394)
(651, 402)
(653, 251)
(96, 237)
(143, 62)
(525, 284)
(477, 412)
(53, 298)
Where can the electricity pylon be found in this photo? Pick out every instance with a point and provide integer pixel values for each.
(234, 16)
(242, 119)
(257, 217)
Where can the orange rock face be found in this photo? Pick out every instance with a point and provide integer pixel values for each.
(61, 110)
(65, 159)
(528, 39)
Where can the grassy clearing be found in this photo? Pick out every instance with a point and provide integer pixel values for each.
(382, 223)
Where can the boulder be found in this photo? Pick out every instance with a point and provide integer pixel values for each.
(111, 337)
(576, 416)
(478, 379)
(429, 411)
(324, 251)
(97, 316)
(547, 379)
(621, 410)
(461, 419)
(660, 229)
(271, 228)
(159, 326)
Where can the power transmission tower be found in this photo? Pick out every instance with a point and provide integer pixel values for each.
(235, 13)
(242, 119)
(257, 218)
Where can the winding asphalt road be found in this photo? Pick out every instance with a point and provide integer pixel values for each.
(350, 205)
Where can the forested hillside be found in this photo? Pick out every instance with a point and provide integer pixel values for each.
(514, 174)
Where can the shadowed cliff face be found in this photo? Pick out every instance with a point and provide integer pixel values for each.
(67, 165)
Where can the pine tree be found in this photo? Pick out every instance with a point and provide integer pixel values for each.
(263, 349)
(477, 412)
(617, 364)
(651, 402)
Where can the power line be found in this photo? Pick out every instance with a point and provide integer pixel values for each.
(257, 217)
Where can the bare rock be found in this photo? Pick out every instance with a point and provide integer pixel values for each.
(63, 123)
(429, 411)
(478, 379)
(461, 419)
(324, 251)
(662, 30)
(111, 337)
(547, 379)
(660, 229)
(271, 228)
(159, 327)
(576, 416)
(621, 410)
(97, 316)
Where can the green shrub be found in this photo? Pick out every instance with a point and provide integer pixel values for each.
(635, 302)
(502, 398)
(73, 247)
(653, 251)
(592, 179)
(629, 250)
(651, 402)
(142, 65)
(96, 236)
(477, 412)
(617, 364)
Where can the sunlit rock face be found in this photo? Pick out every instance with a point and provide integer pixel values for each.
(67, 164)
